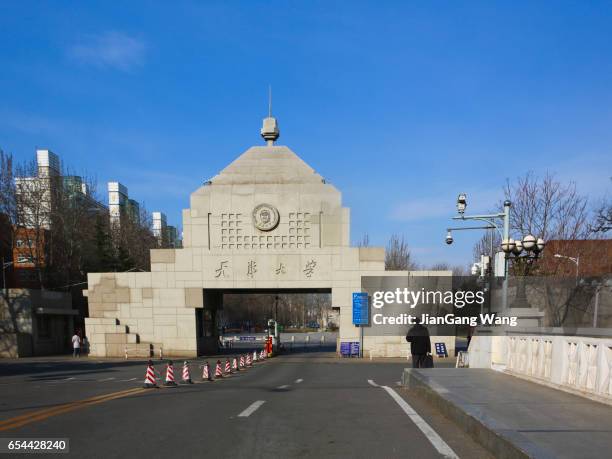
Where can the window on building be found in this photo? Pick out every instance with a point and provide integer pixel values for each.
(26, 259)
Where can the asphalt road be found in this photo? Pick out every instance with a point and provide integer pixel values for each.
(300, 405)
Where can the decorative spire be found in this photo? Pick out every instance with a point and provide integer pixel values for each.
(269, 130)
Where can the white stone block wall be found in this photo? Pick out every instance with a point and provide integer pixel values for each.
(578, 364)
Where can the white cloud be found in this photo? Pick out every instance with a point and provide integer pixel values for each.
(110, 50)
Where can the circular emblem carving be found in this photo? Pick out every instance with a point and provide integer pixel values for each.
(265, 217)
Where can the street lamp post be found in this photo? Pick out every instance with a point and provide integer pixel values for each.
(575, 260)
(531, 245)
(4, 266)
(527, 249)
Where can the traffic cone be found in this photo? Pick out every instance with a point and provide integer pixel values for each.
(170, 375)
(218, 370)
(241, 361)
(206, 376)
(235, 366)
(249, 362)
(261, 355)
(228, 367)
(150, 381)
(254, 356)
(186, 373)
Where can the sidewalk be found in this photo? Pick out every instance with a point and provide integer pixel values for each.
(514, 418)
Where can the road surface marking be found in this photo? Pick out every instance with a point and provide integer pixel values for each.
(105, 379)
(40, 415)
(297, 381)
(372, 383)
(431, 434)
(284, 386)
(54, 381)
(251, 409)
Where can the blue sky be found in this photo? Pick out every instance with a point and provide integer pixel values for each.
(400, 104)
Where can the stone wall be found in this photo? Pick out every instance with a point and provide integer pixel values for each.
(581, 363)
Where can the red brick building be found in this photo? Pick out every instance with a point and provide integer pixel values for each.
(6, 252)
(593, 257)
(29, 256)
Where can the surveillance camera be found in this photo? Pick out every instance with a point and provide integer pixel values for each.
(449, 239)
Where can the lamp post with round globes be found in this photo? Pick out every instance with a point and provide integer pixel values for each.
(528, 249)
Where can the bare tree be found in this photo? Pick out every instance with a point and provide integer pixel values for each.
(602, 222)
(543, 207)
(547, 208)
(8, 205)
(72, 235)
(488, 244)
(364, 241)
(397, 255)
(8, 212)
(457, 270)
(33, 205)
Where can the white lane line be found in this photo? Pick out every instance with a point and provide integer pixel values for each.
(297, 381)
(251, 409)
(127, 380)
(105, 379)
(58, 381)
(372, 383)
(431, 434)
(284, 386)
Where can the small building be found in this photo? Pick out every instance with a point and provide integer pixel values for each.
(35, 322)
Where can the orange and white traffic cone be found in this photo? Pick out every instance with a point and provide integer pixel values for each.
(241, 361)
(261, 355)
(186, 373)
(235, 366)
(218, 370)
(170, 374)
(206, 376)
(150, 381)
(249, 362)
(228, 368)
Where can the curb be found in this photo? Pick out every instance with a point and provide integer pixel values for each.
(501, 442)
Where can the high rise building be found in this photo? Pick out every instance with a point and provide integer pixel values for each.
(159, 227)
(172, 237)
(41, 198)
(35, 194)
(117, 201)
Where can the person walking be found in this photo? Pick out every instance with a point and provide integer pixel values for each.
(76, 345)
(420, 344)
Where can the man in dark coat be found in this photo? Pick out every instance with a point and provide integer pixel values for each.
(420, 345)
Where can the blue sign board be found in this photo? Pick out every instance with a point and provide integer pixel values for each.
(361, 311)
(349, 348)
(441, 350)
(248, 338)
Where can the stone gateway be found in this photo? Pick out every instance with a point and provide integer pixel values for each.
(267, 222)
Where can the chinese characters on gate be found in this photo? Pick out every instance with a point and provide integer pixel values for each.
(224, 269)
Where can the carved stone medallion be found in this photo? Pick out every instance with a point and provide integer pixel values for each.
(265, 217)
